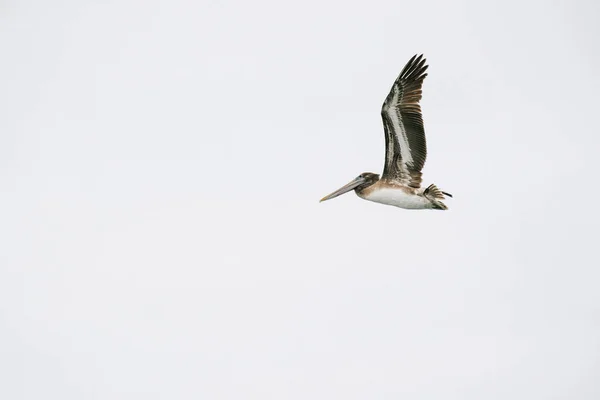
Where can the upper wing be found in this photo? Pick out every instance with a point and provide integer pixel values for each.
(405, 146)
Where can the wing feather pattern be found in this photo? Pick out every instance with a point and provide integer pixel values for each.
(405, 145)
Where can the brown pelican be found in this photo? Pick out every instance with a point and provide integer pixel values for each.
(405, 149)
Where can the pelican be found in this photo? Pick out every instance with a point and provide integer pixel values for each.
(405, 149)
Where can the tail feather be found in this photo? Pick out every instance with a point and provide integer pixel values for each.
(433, 192)
(435, 195)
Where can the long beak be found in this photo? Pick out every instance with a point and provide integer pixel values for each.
(344, 189)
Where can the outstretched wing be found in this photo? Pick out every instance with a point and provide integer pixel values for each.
(405, 146)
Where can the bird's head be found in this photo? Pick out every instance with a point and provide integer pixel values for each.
(359, 183)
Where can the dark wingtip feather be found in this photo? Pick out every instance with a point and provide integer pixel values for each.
(414, 68)
(409, 65)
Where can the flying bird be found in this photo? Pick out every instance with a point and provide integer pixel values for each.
(405, 149)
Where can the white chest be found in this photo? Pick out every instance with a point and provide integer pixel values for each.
(398, 198)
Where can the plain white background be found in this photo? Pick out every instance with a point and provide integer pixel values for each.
(161, 237)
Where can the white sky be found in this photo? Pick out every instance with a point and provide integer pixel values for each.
(160, 170)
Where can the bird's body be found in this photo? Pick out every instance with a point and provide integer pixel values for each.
(405, 149)
(395, 195)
